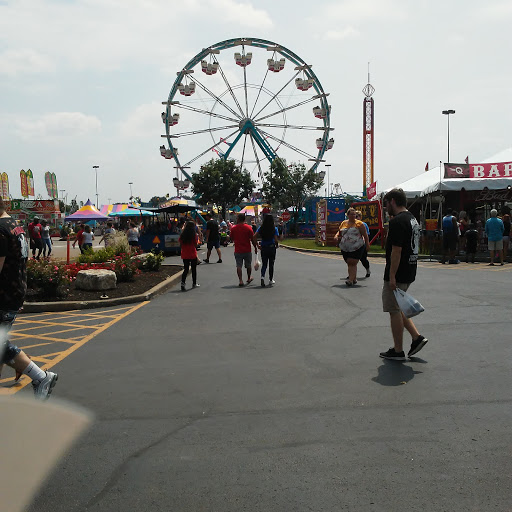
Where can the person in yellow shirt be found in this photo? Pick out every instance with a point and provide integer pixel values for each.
(352, 238)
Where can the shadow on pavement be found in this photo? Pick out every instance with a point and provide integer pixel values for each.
(394, 373)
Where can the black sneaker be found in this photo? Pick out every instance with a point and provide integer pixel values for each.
(182, 287)
(206, 261)
(391, 354)
(417, 345)
(368, 273)
(263, 283)
(219, 261)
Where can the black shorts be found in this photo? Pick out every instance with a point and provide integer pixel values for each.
(134, 243)
(38, 243)
(450, 242)
(353, 255)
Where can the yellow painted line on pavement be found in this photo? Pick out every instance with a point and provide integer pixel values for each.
(24, 381)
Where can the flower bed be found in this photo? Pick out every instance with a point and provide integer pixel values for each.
(49, 280)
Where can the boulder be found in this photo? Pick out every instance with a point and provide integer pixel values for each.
(96, 280)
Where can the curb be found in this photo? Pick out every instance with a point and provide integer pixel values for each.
(51, 307)
(320, 251)
(422, 257)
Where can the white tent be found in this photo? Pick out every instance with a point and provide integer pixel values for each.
(431, 181)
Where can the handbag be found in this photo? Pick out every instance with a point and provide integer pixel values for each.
(407, 303)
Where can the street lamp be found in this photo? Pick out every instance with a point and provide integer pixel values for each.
(447, 113)
(328, 169)
(131, 193)
(96, 167)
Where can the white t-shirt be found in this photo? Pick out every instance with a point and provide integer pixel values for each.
(87, 238)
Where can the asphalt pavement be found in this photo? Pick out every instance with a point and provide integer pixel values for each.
(225, 399)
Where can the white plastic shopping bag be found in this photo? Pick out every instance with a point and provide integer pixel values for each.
(257, 263)
(407, 303)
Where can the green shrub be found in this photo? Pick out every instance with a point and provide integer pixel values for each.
(100, 256)
(153, 261)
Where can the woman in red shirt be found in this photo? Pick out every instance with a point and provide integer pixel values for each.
(188, 243)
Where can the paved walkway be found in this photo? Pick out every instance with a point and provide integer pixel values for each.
(260, 399)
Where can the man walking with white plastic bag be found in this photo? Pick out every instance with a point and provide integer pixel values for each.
(401, 263)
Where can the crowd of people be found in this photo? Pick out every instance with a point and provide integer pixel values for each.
(460, 236)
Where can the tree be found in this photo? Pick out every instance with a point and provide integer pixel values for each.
(289, 185)
(156, 200)
(223, 183)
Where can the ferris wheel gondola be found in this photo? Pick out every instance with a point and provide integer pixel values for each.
(213, 107)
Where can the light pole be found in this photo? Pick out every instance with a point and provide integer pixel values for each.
(131, 193)
(447, 113)
(96, 167)
(328, 187)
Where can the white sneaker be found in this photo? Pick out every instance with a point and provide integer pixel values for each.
(272, 281)
(43, 388)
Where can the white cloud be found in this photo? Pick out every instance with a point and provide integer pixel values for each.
(337, 35)
(357, 10)
(24, 60)
(57, 124)
(144, 122)
(242, 13)
(497, 11)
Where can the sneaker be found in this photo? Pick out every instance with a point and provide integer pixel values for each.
(43, 388)
(348, 282)
(271, 282)
(219, 261)
(417, 345)
(206, 261)
(182, 287)
(196, 285)
(263, 283)
(391, 354)
(368, 273)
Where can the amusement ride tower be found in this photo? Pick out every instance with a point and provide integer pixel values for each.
(368, 142)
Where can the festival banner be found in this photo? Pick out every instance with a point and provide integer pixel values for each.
(371, 191)
(55, 190)
(5, 187)
(30, 183)
(372, 213)
(48, 182)
(478, 171)
(24, 184)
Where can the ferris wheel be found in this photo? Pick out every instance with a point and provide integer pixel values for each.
(247, 99)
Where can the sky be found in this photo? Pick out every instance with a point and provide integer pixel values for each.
(82, 84)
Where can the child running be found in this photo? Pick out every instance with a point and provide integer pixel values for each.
(188, 243)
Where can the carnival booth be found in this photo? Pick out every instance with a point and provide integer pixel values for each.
(471, 190)
(162, 230)
(24, 210)
(87, 213)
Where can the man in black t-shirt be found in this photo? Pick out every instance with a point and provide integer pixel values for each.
(13, 286)
(212, 237)
(402, 246)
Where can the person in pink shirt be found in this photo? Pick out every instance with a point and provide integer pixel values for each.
(242, 236)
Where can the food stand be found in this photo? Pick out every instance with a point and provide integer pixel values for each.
(161, 232)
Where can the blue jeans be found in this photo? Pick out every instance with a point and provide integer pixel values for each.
(8, 351)
(47, 243)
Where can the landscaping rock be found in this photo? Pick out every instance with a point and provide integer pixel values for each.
(96, 280)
